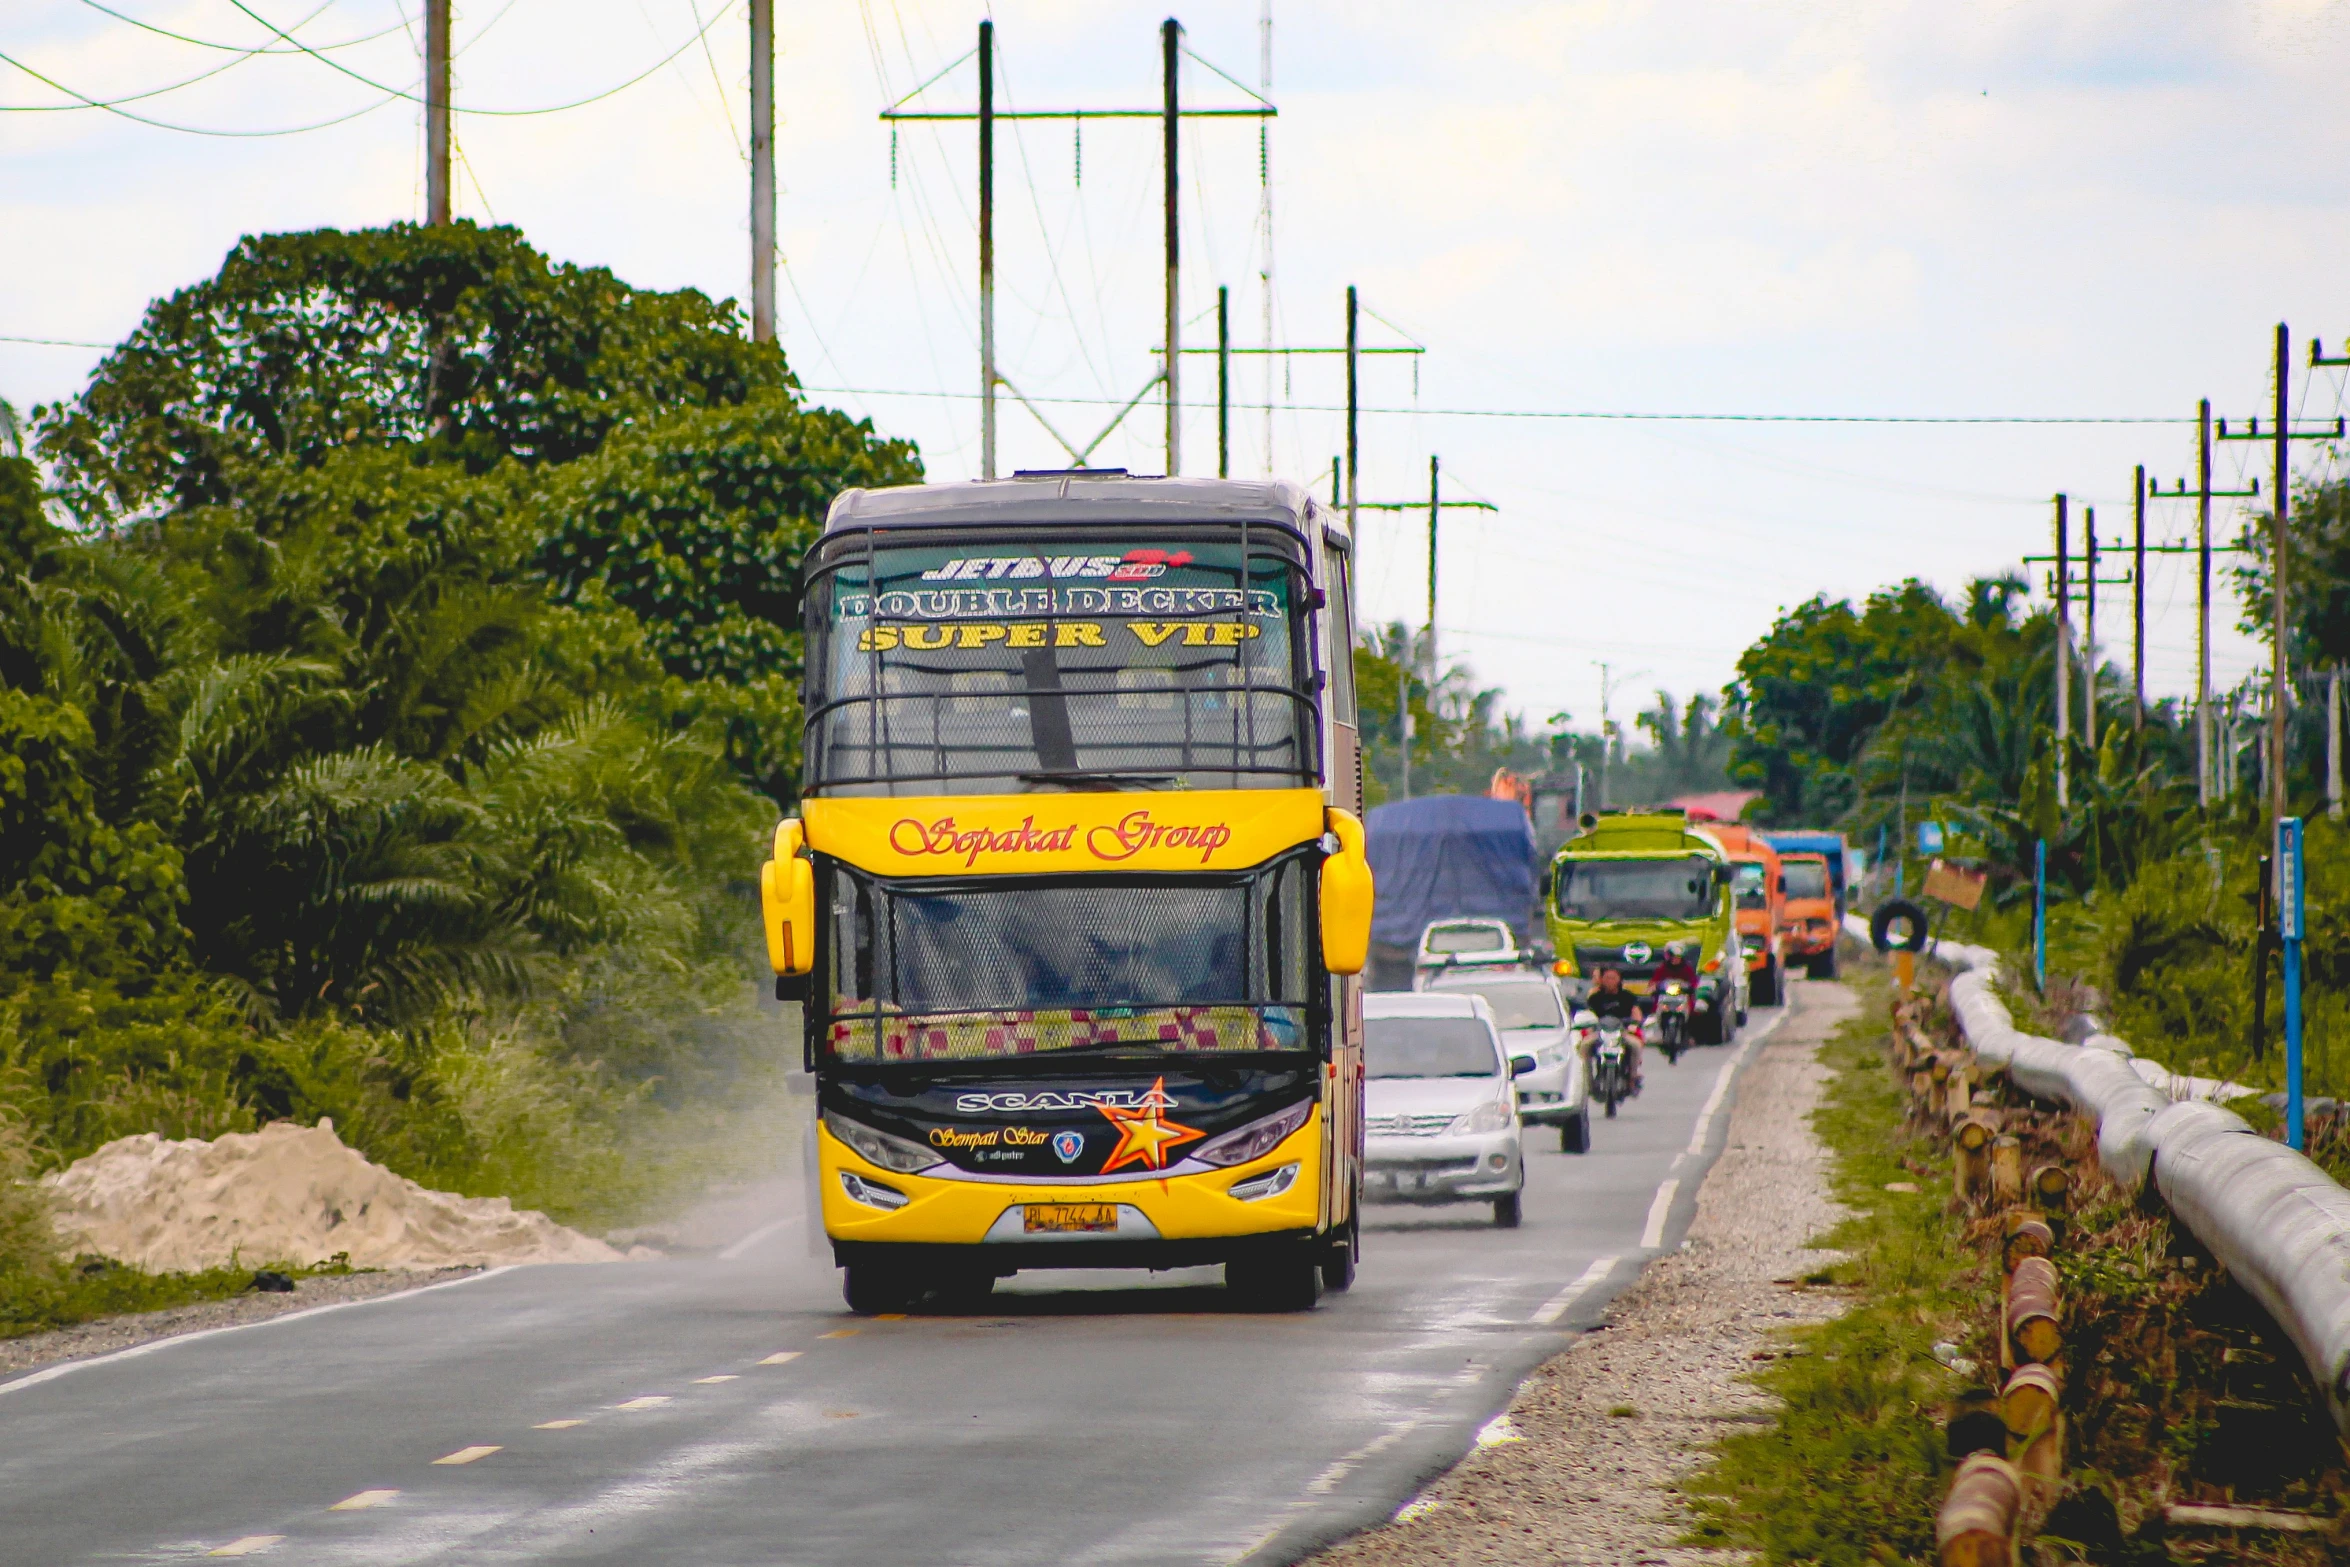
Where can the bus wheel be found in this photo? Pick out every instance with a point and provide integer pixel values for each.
(1286, 1280)
(871, 1289)
(1338, 1262)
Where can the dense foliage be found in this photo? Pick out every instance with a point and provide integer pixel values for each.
(397, 671)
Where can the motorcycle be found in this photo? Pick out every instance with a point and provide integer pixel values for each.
(1672, 1018)
(1611, 1062)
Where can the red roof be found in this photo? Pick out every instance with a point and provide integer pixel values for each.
(1726, 805)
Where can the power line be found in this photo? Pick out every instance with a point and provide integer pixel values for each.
(1617, 415)
(242, 55)
(240, 49)
(89, 102)
(455, 108)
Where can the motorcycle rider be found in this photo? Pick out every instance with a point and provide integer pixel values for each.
(1675, 965)
(1609, 998)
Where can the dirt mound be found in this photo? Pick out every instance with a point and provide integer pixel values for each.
(287, 1193)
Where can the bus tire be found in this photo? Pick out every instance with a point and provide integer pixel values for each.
(1338, 1262)
(1289, 1279)
(871, 1289)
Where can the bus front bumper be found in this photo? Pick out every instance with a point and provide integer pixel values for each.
(1161, 1221)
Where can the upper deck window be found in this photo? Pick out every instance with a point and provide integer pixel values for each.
(977, 665)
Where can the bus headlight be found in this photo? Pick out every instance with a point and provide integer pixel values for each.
(871, 1193)
(891, 1153)
(1491, 1116)
(1270, 1184)
(1254, 1140)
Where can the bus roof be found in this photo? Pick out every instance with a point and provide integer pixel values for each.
(1062, 499)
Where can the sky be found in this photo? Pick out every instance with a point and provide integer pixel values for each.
(1883, 210)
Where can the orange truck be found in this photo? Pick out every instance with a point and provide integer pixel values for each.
(1811, 917)
(1759, 887)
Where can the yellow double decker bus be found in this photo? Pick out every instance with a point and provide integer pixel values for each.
(1077, 904)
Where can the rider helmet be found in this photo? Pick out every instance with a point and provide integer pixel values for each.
(1674, 949)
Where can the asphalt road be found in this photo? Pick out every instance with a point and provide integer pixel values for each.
(729, 1411)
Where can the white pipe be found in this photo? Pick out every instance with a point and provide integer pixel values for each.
(2275, 1221)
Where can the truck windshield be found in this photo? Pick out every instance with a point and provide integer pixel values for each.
(1678, 889)
(1006, 967)
(1752, 885)
(981, 666)
(1428, 1047)
(1807, 879)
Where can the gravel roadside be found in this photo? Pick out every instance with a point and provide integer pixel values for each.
(109, 1334)
(1581, 1470)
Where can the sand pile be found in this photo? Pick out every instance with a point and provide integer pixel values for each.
(286, 1193)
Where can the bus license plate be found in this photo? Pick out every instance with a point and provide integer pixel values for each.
(1068, 1218)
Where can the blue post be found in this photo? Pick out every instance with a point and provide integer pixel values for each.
(2040, 914)
(2289, 927)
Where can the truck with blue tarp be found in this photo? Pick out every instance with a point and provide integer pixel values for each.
(1443, 857)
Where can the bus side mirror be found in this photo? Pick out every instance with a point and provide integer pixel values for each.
(1347, 896)
(787, 905)
(1549, 876)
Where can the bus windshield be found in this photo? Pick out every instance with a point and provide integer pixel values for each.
(975, 969)
(1680, 889)
(979, 666)
(1807, 879)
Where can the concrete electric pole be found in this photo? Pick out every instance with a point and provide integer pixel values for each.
(762, 170)
(436, 112)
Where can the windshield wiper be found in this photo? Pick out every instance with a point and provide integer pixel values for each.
(1078, 779)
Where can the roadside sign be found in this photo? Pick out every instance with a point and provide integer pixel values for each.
(2288, 873)
(1929, 837)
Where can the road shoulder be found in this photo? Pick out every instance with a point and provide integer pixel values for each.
(1582, 1466)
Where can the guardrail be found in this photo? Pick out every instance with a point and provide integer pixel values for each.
(2279, 1224)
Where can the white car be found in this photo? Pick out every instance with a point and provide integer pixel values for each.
(1440, 1109)
(1532, 1018)
(1464, 943)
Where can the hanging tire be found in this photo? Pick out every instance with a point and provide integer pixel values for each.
(1902, 912)
(1575, 1135)
(1507, 1211)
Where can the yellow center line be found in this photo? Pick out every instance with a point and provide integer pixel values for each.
(780, 1357)
(466, 1455)
(557, 1425)
(889, 1316)
(248, 1545)
(362, 1499)
(706, 1381)
(649, 1401)
(840, 1333)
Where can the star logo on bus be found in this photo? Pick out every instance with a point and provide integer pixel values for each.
(1144, 1132)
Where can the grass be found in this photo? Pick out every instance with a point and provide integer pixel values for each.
(2177, 1387)
(1852, 1470)
(40, 1298)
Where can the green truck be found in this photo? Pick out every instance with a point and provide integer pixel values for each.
(1630, 882)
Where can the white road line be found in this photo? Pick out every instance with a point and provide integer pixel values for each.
(467, 1455)
(734, 1252)
(649, 1401)
(248, 1545)
(1658, 1211)
(1327, 1481)
(362, 1501)
(51, 1373)
(1564, 1301)
(1722, 1079)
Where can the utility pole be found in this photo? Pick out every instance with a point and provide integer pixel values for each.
(436, 112)
(987, 370)
(2209, 781)
(2089, 680)
(1265, 215)
(2281, 436)
(1354, 467)
(1170, 114)
(1435, 511)
(762, 170)
(2138, 607)
(2279, 505)
(2064, 653)
(1223, 382)
(1170, 51)
(2317, 358)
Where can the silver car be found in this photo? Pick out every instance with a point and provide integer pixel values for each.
(1440, 1114)
(1532, 1018)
